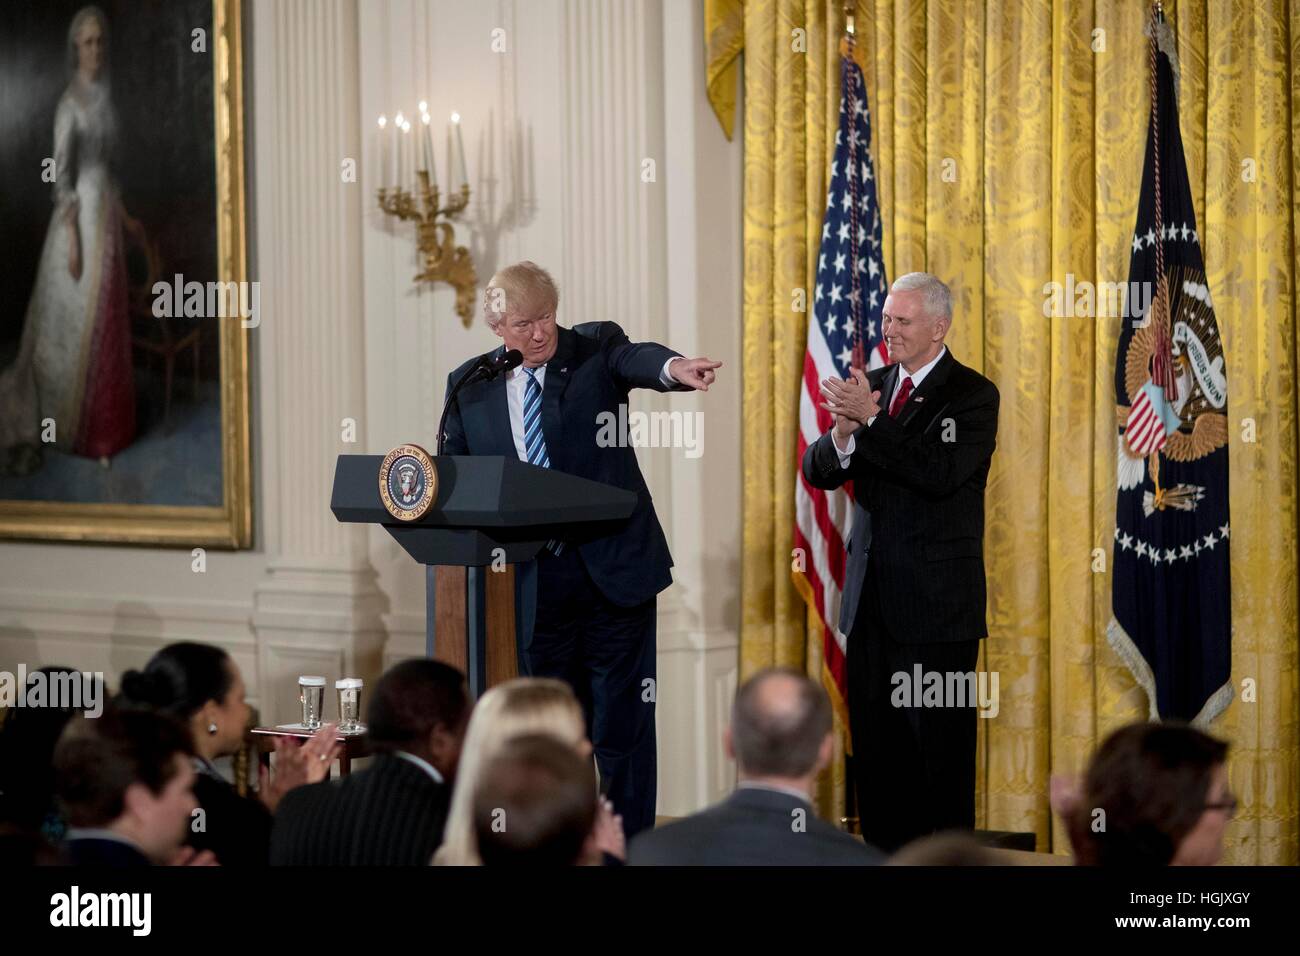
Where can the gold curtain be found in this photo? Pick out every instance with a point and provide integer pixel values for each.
(1008, 140)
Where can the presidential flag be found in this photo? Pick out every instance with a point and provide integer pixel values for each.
(843, 332)
(1170, 592)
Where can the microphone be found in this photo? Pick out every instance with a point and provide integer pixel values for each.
(485, 368)
(494, 366)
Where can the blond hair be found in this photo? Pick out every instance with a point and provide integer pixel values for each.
(526, 705)
(522, 288)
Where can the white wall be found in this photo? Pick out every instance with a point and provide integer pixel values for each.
(596, 88)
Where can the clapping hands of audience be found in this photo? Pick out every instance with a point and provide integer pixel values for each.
(188, 856)
(609, 831)
(298, 765)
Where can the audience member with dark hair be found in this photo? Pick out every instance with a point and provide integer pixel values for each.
(27, 739)
(780, 737)
(201, 686)
(393, 811)
(535, 805)
(1155, 794)
(125, 783)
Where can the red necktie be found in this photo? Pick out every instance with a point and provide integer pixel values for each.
(901, 398)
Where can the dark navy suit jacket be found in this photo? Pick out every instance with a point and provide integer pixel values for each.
(96, 851)
(594, 368)
(752, 827)
(918, 520)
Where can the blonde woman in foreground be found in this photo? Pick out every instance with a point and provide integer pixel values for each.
(526, 705)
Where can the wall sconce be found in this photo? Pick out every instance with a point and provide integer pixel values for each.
(402, 154)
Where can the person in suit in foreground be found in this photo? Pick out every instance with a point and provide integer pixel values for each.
(916, 438)
(780, 738)
(393, 811)
(126, 786)
(521, 707)
(594, 623)
(536, 805)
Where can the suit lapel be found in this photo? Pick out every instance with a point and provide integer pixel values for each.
(558, 372)
(887, 383)
(924, 392)
(494, 405)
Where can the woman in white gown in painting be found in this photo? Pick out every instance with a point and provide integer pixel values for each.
(74, 359)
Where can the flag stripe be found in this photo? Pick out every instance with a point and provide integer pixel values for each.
(849, 295)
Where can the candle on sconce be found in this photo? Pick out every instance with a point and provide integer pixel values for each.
(399, 144)
(408, 154)
(383, 150)
(427, 149)
(459, 172)
(422, 108)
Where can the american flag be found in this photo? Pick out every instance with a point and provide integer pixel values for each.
(844, 332)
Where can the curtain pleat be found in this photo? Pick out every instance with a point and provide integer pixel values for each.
(1007, 140)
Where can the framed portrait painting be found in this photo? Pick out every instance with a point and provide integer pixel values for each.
(124, 412)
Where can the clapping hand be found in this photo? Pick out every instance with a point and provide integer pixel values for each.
(609, 831)
(850, 400)
(296, 766)
(188, 856)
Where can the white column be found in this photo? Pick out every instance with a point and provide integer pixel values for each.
(650, 209)
(699, 637)
(317, 610)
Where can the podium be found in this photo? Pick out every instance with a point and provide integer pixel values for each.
(489, 514)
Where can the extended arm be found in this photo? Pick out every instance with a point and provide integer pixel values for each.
(650, 365)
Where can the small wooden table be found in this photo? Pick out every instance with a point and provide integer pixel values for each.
(354, 746)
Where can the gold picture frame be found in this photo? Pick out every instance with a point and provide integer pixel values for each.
(229, 525)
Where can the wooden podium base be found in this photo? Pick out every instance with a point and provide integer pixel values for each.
(471, 622)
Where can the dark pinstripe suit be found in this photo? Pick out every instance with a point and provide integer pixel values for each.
(914, 592)
(390, 814)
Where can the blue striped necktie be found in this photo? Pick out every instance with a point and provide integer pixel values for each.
(534, 440)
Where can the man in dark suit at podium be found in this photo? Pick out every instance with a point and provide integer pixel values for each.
(916, 438)
(595, 615)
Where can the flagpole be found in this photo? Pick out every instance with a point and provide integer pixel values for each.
(847, 42)
(1162, 375)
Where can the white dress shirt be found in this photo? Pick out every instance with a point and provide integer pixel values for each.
(424, 765)
(917, 377)
(517, 383)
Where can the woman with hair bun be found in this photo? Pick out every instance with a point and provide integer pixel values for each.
(201, 686)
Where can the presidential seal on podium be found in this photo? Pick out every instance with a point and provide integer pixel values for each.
(408, 482)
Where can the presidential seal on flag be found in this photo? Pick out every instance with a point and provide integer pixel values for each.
(1171, 581)
(1187, 420)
